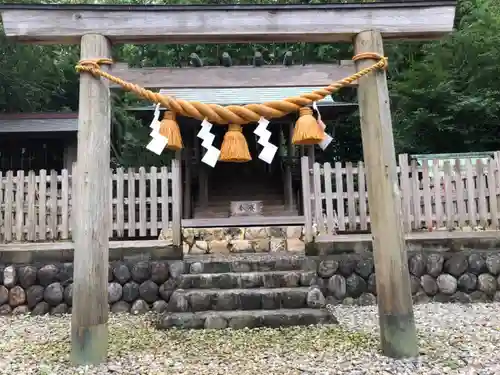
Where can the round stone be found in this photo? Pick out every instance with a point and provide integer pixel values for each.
(139, 307)
(141, 272)
(487, 284)
(34, 295)
(122, 273)
(326, 268)
(54, 294)
(47, 274)
(27, 276)
(337, 286)
(447, 284)
(416, 265)
(130, 291)
(159, 272)
(429, 285)
(434, 264)
(148, 291)
(356, 285)
(467, 282)
(17, 296)
(364, 267)
(115, 292)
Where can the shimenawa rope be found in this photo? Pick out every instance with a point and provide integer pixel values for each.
(232, 114)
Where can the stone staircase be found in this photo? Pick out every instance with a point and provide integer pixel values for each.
(250, 291)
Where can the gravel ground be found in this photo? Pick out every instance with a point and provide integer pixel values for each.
(454, 339)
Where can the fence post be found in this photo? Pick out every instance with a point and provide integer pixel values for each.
(306, 198)
(404, 178)
(176, 201)
(497, 176)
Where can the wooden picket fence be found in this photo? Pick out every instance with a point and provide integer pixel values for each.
(432, 197)
(38, 206)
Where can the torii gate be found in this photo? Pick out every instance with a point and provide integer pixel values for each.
(96, 27)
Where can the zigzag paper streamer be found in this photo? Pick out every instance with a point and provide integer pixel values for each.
(155, 123)
(212, 155)
(328, 139)
(269, 151)
(159, 142)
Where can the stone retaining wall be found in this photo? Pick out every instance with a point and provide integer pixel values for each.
(138, 287)
(463, 277)
(243, 240)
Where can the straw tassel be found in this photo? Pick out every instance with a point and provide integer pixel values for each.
(307, 130)
(234, 147)
(170, 129)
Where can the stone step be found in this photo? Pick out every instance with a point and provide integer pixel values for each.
(247, 280)
(248, 263)
(246, 319)
(192, 300)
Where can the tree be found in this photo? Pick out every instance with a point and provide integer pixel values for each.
(444, 94)
(449, 99)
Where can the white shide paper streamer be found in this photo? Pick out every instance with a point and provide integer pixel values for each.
(328, 139)
(269, 150)
(212, 155)
(159, 142)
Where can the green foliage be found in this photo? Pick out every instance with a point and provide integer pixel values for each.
(449, 100)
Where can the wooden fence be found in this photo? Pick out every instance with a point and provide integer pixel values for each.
(38, 207)
(434, 196)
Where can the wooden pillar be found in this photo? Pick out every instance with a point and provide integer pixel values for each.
(288, 170)
(203, 186)
(89, 331)
(397, 325)
(188, 152)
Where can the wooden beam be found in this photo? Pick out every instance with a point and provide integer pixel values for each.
(227, 24)
(89, 331)
(235, 77)
(244, 221)
(397, 324)
(69, 246)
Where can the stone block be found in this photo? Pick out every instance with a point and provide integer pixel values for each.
(188, 236)
(234, 234)
(211, 234)
(277, 232)
(219, 246)
(260, 246)
(166, 235)
(186, 248)
(294, 232)
(256, 233)
(241, 246)
(277, 244)
(200, 247)
(295, 245)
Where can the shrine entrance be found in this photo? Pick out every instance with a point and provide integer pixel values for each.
(366, 24)
(252, 189)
